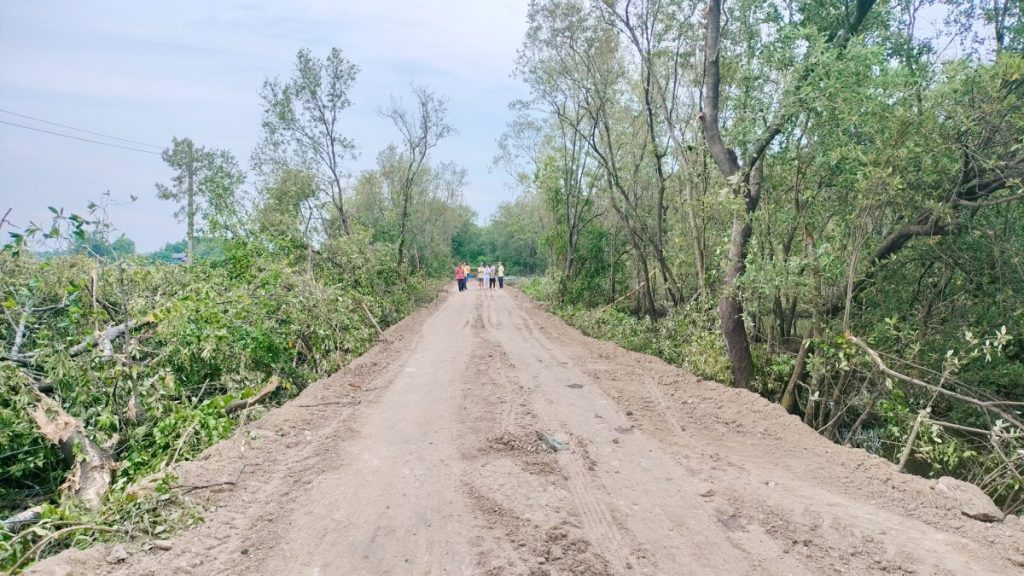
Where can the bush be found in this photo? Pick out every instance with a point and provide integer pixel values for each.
(206, 335)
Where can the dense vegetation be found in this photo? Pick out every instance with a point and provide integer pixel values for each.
(114, 366)
(818, 200)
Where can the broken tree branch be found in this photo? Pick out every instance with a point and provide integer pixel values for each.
(239, 405)
(105, 338)
(993, 407)
(372, 319)
(19, 334)
(92, 467)
(30, 516)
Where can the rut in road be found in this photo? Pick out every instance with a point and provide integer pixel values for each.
(422, 457)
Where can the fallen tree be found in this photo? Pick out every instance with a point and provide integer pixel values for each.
(92, 466)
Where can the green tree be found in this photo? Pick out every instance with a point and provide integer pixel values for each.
(205, 186)
(422, 129)
(302, 123)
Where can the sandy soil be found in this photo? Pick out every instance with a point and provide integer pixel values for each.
(422, 457)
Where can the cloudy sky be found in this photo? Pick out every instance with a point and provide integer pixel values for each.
(147, 71)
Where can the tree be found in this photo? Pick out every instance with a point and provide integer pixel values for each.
(745, 178)
(205, 186)
(301, 123)
(291, 211)
(421, 129)
(96, 245)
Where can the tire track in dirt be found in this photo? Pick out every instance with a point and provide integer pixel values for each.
(645, 520)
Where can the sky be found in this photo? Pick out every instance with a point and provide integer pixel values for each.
(149, 71)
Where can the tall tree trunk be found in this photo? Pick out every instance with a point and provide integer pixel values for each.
(730, 306)
(647, 303)
(403, 220)
(190, 215)
(789, 395)
(338, 198)
(697, 236)
(748, 186)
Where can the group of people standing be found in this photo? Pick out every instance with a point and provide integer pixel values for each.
(486, 275)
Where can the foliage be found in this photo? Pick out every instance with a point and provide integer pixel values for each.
(205, 187)
(217, 330)
(301, 125)
(687, 338)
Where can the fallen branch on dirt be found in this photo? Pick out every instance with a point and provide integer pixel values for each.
(239, 405)
(92, 467)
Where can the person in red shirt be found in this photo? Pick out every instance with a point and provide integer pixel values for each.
(460, 276)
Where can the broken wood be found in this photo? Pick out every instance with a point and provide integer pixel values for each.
(239, 405)
(372, 319)
(92, 467)
(30, 516)
(993, 407)
(922, 415)
(105, 338)
(789, 399)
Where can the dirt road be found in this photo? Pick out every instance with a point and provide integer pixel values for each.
(422, 457)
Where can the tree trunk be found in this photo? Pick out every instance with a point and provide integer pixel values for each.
(730, 307)
(92, 467)
(863, 415)
(191, 209)
(697, 235)
(403, 221)
(789, 395)
(837, 406)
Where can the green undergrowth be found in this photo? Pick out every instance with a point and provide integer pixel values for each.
(688, 338)
(204, 336)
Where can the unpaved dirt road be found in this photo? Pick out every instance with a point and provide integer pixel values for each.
(422, 458)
